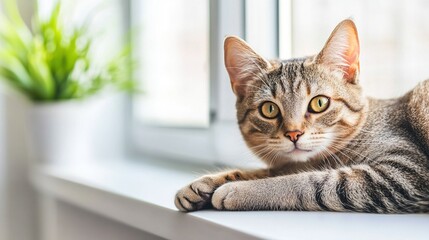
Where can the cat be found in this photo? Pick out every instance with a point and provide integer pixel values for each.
(326, 146)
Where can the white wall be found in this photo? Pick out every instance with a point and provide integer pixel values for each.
(18, 206)
(3, 172)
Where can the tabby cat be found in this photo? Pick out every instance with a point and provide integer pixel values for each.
(326, 146)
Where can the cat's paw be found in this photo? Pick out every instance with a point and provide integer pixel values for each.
(196, 195)
(228, 197)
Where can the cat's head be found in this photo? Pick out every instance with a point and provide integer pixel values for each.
(298, 109)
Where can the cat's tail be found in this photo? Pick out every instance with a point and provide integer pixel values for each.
(418, 112)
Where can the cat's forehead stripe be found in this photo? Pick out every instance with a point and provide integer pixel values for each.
(273, 89)
(292, 70)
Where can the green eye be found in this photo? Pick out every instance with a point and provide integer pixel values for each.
(318, 104)
(269, 110)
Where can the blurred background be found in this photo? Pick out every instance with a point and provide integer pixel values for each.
(128, 80)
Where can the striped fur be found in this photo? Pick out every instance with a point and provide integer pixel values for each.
(361, 154)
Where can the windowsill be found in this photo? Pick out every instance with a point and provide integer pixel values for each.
(140, 194)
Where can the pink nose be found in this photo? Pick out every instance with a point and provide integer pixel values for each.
(293, 135)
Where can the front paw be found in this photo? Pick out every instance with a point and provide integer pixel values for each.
(228, 197)
(196, 195)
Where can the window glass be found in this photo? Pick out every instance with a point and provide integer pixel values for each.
(172, 47)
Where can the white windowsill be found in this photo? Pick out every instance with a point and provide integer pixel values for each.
(140, 194)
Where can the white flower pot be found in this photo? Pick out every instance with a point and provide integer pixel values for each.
(68, 132)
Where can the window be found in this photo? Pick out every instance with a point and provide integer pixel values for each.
(201, 127)
(393, 37)
(212, 137)
(173, 50)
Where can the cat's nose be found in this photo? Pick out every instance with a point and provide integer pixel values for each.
(294, 135)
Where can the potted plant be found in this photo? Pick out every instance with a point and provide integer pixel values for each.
(52, 65)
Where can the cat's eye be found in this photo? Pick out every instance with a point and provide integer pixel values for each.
(318, 104)
(269, 110)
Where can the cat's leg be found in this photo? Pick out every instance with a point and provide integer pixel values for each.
(382, 188)
(197, 195)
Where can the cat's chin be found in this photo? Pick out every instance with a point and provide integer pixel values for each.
(299, 155)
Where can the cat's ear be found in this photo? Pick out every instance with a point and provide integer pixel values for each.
(242, 64)
(341, 51)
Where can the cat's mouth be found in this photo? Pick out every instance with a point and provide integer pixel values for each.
(298, 150)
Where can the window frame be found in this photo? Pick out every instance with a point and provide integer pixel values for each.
(221, 143)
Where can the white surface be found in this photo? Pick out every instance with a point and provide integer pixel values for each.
(141, 195)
